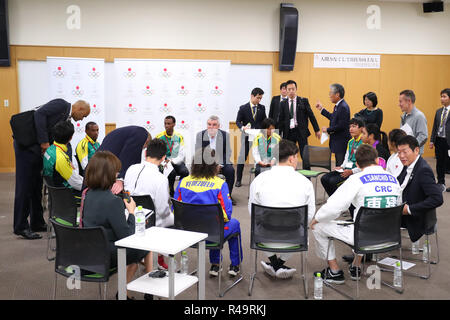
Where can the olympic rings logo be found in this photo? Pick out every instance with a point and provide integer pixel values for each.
(94, 74)
(183, 91)
(129, 74)
(77, 92)
(183, 125)
(216, 91)
(131, 109)
(95, 109)
(147, 91)
(149, 126)
(165, 108)
(165, 74)
(200, 108)
(78, 128)
(59, 73)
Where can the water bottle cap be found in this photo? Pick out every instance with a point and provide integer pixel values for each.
(183, 252)
(139, 207)
(397, 263)
(318, 274)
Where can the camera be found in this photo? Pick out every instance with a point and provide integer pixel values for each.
(125, 195)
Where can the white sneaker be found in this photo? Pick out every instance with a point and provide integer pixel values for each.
(268, 269)
(285, 272)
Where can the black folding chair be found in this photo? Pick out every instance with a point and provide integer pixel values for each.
(206, 218)
(147, 203)
(279, 225)
(83, 254)
(376, 230)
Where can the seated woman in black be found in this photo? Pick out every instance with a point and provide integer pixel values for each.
(102, 208)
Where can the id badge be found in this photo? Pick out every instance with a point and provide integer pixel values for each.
(292, 124)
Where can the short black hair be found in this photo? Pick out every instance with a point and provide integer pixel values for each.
(156, 149)
(372, 97)
(366, 155)
(257, 91)
(171, 117)
(446, 91)
(395, 136)
(410, 141)
(358, 121)
(409, 94)
(283, 85)
(291, 82)
(286, 148)
(90, 123)
(63, 132)
(267, 122)
(338, 88)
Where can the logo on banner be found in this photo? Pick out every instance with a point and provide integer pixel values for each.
(183, 91)
(147, 91)
(77, 92)
(216, 91)
(130, 108)
(165, 73)
(149, 126)
(165, 108)
(78, 128)
(59, 73)
(94, 74)
(95, 109)
(200, 108)
(129, 74)
(200, 74)
(183, 125)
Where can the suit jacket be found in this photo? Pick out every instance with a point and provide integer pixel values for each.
(245, 116)
(339, 127)
(423, 196)
(274, 111)
(47, 116)
(303, 112)
(223, 147)
(437, 122)
(126, 144)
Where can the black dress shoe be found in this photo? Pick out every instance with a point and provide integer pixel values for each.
(238, 184)
(28, 234)
(233, 202)
(148, 296)
(348, 258)
(41, 228)
(448, 189)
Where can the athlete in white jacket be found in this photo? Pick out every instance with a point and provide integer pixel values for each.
(373, 187)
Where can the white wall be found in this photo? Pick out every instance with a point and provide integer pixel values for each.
(325, 25)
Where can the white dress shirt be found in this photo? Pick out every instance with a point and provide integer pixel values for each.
(394, 166)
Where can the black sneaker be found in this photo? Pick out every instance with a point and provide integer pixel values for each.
(214, 270)
(352, 270)
(233, 271)
(331, 277)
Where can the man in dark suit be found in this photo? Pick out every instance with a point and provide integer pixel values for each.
(250, 116)
(339, 122)
(440, 137)
(420, 191)
(294, 115)
(28, 194)
(219, 141)
(127, 144)
(274, 111)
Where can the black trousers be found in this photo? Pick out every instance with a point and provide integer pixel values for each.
(441, 151)
(228, 171)
(339, 157)
(28, 193)
(331, 181)
(243, 156)
(297, 138)
(178, 170)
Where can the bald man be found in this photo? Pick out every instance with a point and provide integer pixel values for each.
(28, 195)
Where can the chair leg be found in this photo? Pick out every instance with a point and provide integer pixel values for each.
(100, 290)
(104, 293)
(54, 287)
(253, 275)
(220, 273)
(240, 277)
(304, 272)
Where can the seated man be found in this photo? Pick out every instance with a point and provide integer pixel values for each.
(146, 179)
(332, 180)
(263, 145)
(203, 186)
(87, 146)
(219, 141)
(175, 151)
(282, 186)
(394, 166)
(420, 191)
(58, 168)
(359, 191)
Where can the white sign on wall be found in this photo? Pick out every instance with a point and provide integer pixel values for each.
(356, 61)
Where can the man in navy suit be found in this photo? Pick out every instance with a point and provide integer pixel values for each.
(219, 141)
(294, 115)
(339, 122)
(274, 111)
(28, 194)
(420, 192)
(250, 116)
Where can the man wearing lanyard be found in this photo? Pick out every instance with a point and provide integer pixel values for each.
(175, 151)
(440, 137)
(87, 146)
(263, 145)
(250, 116)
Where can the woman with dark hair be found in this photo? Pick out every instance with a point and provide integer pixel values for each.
(370, 114)
(203, 186)
(394, 165)
(102, 208)
(372, 135)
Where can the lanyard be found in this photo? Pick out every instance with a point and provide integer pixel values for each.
(353, 148)
(268, 141)
(170, 145)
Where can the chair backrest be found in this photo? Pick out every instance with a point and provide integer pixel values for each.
(87, 248)
(279, 225)
(206, 218)
(377, 229)
(430, 222)
(62, 204)
(147, 203)
(316, 157)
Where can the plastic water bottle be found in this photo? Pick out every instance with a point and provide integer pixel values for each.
(426, 250)
(415, 247)
(139, 221)
(318, 286)
(374, 257)
(184, 263)
(397, 275)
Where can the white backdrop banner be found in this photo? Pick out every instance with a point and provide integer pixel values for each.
(357, 61)
(190, 90)
(75, 79)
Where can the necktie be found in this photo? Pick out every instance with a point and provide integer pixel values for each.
(402, 175)
(443, 120)
(291, 108)
(254, 112)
